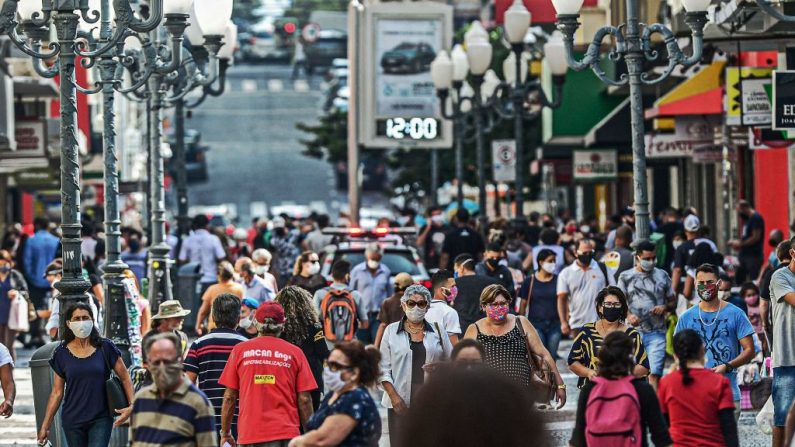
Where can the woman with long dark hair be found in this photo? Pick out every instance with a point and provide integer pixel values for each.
(696, 401)
(304, 330)
(306, 273)
(82, 364)
(623, 406)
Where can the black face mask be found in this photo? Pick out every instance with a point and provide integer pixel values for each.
(493, 263)
(612, 314)
(585, 259)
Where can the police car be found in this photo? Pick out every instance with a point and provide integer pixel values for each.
(399, 256)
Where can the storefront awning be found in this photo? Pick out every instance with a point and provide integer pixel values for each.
(700, 95)
(613, 129)
(35, 87)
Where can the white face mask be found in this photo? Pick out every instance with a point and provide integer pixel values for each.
(437, 219)
(262, 269)
(548, 267)
(81, 329)
(333, 380)
(245, 323)
(676, 244)
(724, 294)
(372, 264)
(415, 314)
(314, 269)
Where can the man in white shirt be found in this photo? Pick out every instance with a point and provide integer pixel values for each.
(255, 286)
(262, 258)
(578, 285)
(440, 312)
(204, 248)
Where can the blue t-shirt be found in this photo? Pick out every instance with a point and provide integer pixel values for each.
(721, 332)
(544, 298)
(84, 397)
(5, 303)
(360, 406)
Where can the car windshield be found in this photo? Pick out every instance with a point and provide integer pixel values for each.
(397, 262)
(406, 46)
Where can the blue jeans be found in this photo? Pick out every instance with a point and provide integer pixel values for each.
(549, 333)
(654, 344)
(367, 336)
(783, 393)
(91, 434)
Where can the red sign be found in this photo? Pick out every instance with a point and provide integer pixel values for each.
(541, 11)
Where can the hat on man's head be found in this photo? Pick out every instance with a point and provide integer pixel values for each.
(251, 303)
(692, 224)
(170, 309)
(270, 310)
(403, 280)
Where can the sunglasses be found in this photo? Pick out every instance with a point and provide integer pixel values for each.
(334, 366)
(420, 304)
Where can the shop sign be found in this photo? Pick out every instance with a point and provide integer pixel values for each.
(783, 100)
(689, 134)
(747, 102)
(31, 139)
(590, 165)
(708, 154)
(503, 156)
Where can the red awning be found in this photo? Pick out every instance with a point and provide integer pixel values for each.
(709, 102)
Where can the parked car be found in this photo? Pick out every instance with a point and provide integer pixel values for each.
(408, 57)
(330, 44)
(263, 45)
(195, 156)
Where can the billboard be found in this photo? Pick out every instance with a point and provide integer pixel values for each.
(398, 102)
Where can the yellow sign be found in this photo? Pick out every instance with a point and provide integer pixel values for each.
(734, 93)
(264, 379)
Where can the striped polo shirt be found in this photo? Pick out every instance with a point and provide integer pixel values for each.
(206, 358)
(183, 419)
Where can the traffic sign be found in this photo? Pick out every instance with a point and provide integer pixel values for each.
(503, 155)
(310, 32)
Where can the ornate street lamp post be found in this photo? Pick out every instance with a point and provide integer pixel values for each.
(634, 47)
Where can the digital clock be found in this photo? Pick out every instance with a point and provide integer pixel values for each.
(409, 128)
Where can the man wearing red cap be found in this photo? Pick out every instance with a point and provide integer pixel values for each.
(272, 379)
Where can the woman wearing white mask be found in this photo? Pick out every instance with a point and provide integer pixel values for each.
(348, 415)
(82, 364)
(409, 348)
(539, 301)
(306, 273)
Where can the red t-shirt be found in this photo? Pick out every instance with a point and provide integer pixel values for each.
(693, 409)
(268, 373)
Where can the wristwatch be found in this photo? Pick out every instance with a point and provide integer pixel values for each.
(222, 433)
(729, 367)
(562, 386)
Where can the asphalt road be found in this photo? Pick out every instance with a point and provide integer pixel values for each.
(255, 153)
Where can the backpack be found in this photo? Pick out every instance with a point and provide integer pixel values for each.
(612, 414)
(338, 311)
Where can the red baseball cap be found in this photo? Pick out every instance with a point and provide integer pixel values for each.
(270, 310)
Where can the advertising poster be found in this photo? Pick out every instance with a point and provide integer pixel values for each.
(404, 50)
(783, 100)
(595, 165)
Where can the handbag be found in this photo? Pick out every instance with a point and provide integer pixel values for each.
(542, 379)
(18, 314)
(117, 399)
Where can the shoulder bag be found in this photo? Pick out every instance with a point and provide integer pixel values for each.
(117, 399)
(542, 379)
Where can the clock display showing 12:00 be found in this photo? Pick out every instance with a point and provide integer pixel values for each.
(412, 128)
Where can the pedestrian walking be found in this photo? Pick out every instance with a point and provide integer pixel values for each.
(468, 352)
(470, 287)
(495, 266)
(54, 274)
(578, 284)
(409, 348)
(511, 342)
(172, 411)
(749, 293)
(617, 408)
(432, 236)
(697, 403)
(271, 380)
(461, 239)
(765, 305)
(82, 363)
(262, 263)
(285, 248)
(7, 382)
(306, 273)
(348, 416)
(339, 308)
(135, 257)
(782, 307)
(12, 287)
(650, 296)
(623, 242)
(538, 301)
(681, 270)
(391, 310)
(751, 246)
(226, 285)
(725, 330)
(371, 280)
(304, 330)
(169, 318)
(246, 326)
(612, 308)
(38, 252)
(444, 290)
(255, 286)
(204, 248)
(208, 355)
(299, 60)
(550, 241)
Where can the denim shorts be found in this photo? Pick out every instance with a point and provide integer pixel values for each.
(654, 344)
(783, 393)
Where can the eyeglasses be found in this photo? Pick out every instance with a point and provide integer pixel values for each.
(421, 304)
(612, 305)
(334, 366)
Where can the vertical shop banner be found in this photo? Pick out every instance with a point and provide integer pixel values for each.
(503, 160)
(784, 100)
(747, 101)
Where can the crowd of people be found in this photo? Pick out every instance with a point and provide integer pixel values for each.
(667, 334)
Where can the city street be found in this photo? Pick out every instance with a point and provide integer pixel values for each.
(20, 429)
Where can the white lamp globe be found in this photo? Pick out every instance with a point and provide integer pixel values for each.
(227, 51)
(479, 57)
(177, 6)
(475, 33)
(194, 32)
(555, 54)
(567, 7)
(695, 5)
(26, 8)
(517, 21)
(489, 86)
(509, 67)
(442, 71)
(460, 63)
(466, 92)
(213, 15)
